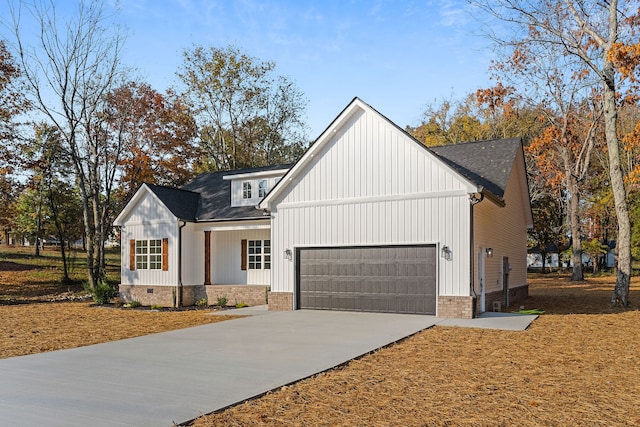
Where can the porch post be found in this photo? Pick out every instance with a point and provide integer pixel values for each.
(207, 257)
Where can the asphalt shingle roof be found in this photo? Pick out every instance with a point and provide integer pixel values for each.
(183, 204)
(485, 163)
(208, 196)
(215, 195)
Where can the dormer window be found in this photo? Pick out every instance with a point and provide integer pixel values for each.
(263, 188)
(246, 189)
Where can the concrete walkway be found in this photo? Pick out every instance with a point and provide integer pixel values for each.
(172, 377)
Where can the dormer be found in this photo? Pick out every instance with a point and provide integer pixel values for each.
(248, 189)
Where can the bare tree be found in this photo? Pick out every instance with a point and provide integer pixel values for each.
(69, 70)
(585, 30)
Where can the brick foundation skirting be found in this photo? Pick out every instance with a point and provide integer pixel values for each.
(455, 307)
(165, 296)
(235, 294)
(280, 301)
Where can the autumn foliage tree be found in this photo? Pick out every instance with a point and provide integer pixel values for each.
(12, 104)
(587, 32)
(157, 137)
(489, 113)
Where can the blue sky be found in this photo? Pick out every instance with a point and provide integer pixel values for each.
(397, 56)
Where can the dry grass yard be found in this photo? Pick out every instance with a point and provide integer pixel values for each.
(31, 323)
(577, 365)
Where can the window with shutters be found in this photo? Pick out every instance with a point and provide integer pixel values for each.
(150, 255)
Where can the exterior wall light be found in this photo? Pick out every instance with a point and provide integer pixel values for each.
(446, 253)
(288, 254)
(489, 252)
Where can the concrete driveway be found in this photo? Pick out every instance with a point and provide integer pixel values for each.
(172, 377)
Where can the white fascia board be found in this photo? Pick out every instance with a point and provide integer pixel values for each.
(134, 201)
(119, 221)
(251, 175)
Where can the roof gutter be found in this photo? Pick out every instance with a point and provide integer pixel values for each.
(474, 199)
(490, 196)
(179, 290)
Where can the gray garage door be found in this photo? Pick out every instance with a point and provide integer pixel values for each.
(390, 279)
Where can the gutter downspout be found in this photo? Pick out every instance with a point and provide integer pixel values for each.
(179, 290)
(474, 199)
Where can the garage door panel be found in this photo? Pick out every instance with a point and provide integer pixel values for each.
(398, 279)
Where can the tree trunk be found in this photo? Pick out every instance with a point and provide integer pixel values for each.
(576, 234)
(61, 237)
(623, 246)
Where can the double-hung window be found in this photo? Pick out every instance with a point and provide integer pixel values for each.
(246, 189)
(259, 254)
(155, 254)
(263, 188)
(150, 254)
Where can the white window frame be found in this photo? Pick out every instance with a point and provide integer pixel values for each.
(142, 251)
(246, 190)
(263, 188)
(259, 254)
(155, 254)
(149, 254)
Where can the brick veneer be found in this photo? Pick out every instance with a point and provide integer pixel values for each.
(280, 301)
(247, 294)
(166, 295)
(455, 307)
(149, 295)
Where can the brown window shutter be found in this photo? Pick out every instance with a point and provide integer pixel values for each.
(132, 255)
(243, 264)
(165, 254)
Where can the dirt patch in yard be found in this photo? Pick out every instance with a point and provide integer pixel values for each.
(579, 364)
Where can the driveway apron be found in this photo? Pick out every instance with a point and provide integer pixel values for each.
(172, 377)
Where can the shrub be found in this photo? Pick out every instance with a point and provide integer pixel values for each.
(156, 306)
(133, 304)
(241, 305)
(202, 302)
(103, 293)
(222, 301)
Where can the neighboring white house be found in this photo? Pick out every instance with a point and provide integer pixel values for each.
(368, 220)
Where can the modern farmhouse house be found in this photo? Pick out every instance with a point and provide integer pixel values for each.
(367, 220)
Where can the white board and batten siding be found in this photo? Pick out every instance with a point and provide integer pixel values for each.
(369, 184)
(226, 248)
(507, 240)
(150, 220)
